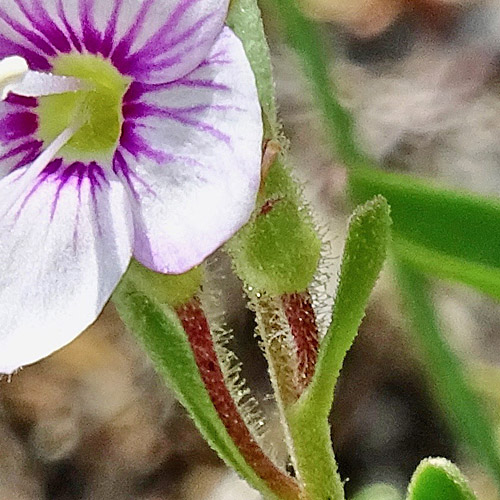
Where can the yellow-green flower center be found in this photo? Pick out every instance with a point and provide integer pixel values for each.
(100, 109)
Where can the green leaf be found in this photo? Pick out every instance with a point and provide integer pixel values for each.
(378, 492)
(439, 479)
(462, 406)
(364, 254)
(160, 332)
(450, 234)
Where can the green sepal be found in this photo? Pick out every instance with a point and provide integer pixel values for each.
(280, 184)
(279, 252)
(439, 479)
(159, 330)
(171, 289)
(245, 20)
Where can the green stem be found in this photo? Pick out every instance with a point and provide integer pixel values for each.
(314, 455)
(464, 410)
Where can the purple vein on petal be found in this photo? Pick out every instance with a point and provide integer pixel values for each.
(90, 35)
(214, 62)
(31, 150)
(44, 25)
(97, 175)
(29, 157)
(138, 90)
(122, 49)
(22, 148)
(121, 168)
(221, 52)
(108, 41)
(151, 66)
(73, 176)
(49, 170)
(63, 179)
(80, 177)
(157, 40)
(38, 42)
(198, 83)
(158, 47)
(51, 30)
(18, 125)
(96, 178)
(71, 32)
(142, 110)
(20, 100)
(35, 60)
(203, 107)
(136, 109)
(216, 59)
(136, 145)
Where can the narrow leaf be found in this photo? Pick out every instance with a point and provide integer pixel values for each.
(439, 479)
(364, 253)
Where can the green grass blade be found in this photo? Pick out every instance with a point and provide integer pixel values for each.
(464, 410)
(450, 234)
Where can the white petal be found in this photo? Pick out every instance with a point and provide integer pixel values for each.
(197, 148)
(170, 40)
(141, 37)
(63, 249)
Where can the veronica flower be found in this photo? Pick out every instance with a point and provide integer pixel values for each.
(127, 128)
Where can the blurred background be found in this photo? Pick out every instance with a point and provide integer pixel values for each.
(421, 78)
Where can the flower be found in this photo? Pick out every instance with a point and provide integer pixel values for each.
(127, 128)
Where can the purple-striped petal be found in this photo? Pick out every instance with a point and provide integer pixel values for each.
(145, 39)
(190, 152)
(19, 145)
(69, 242)
(179, 35)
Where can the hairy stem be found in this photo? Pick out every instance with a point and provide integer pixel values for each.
(199, 335)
